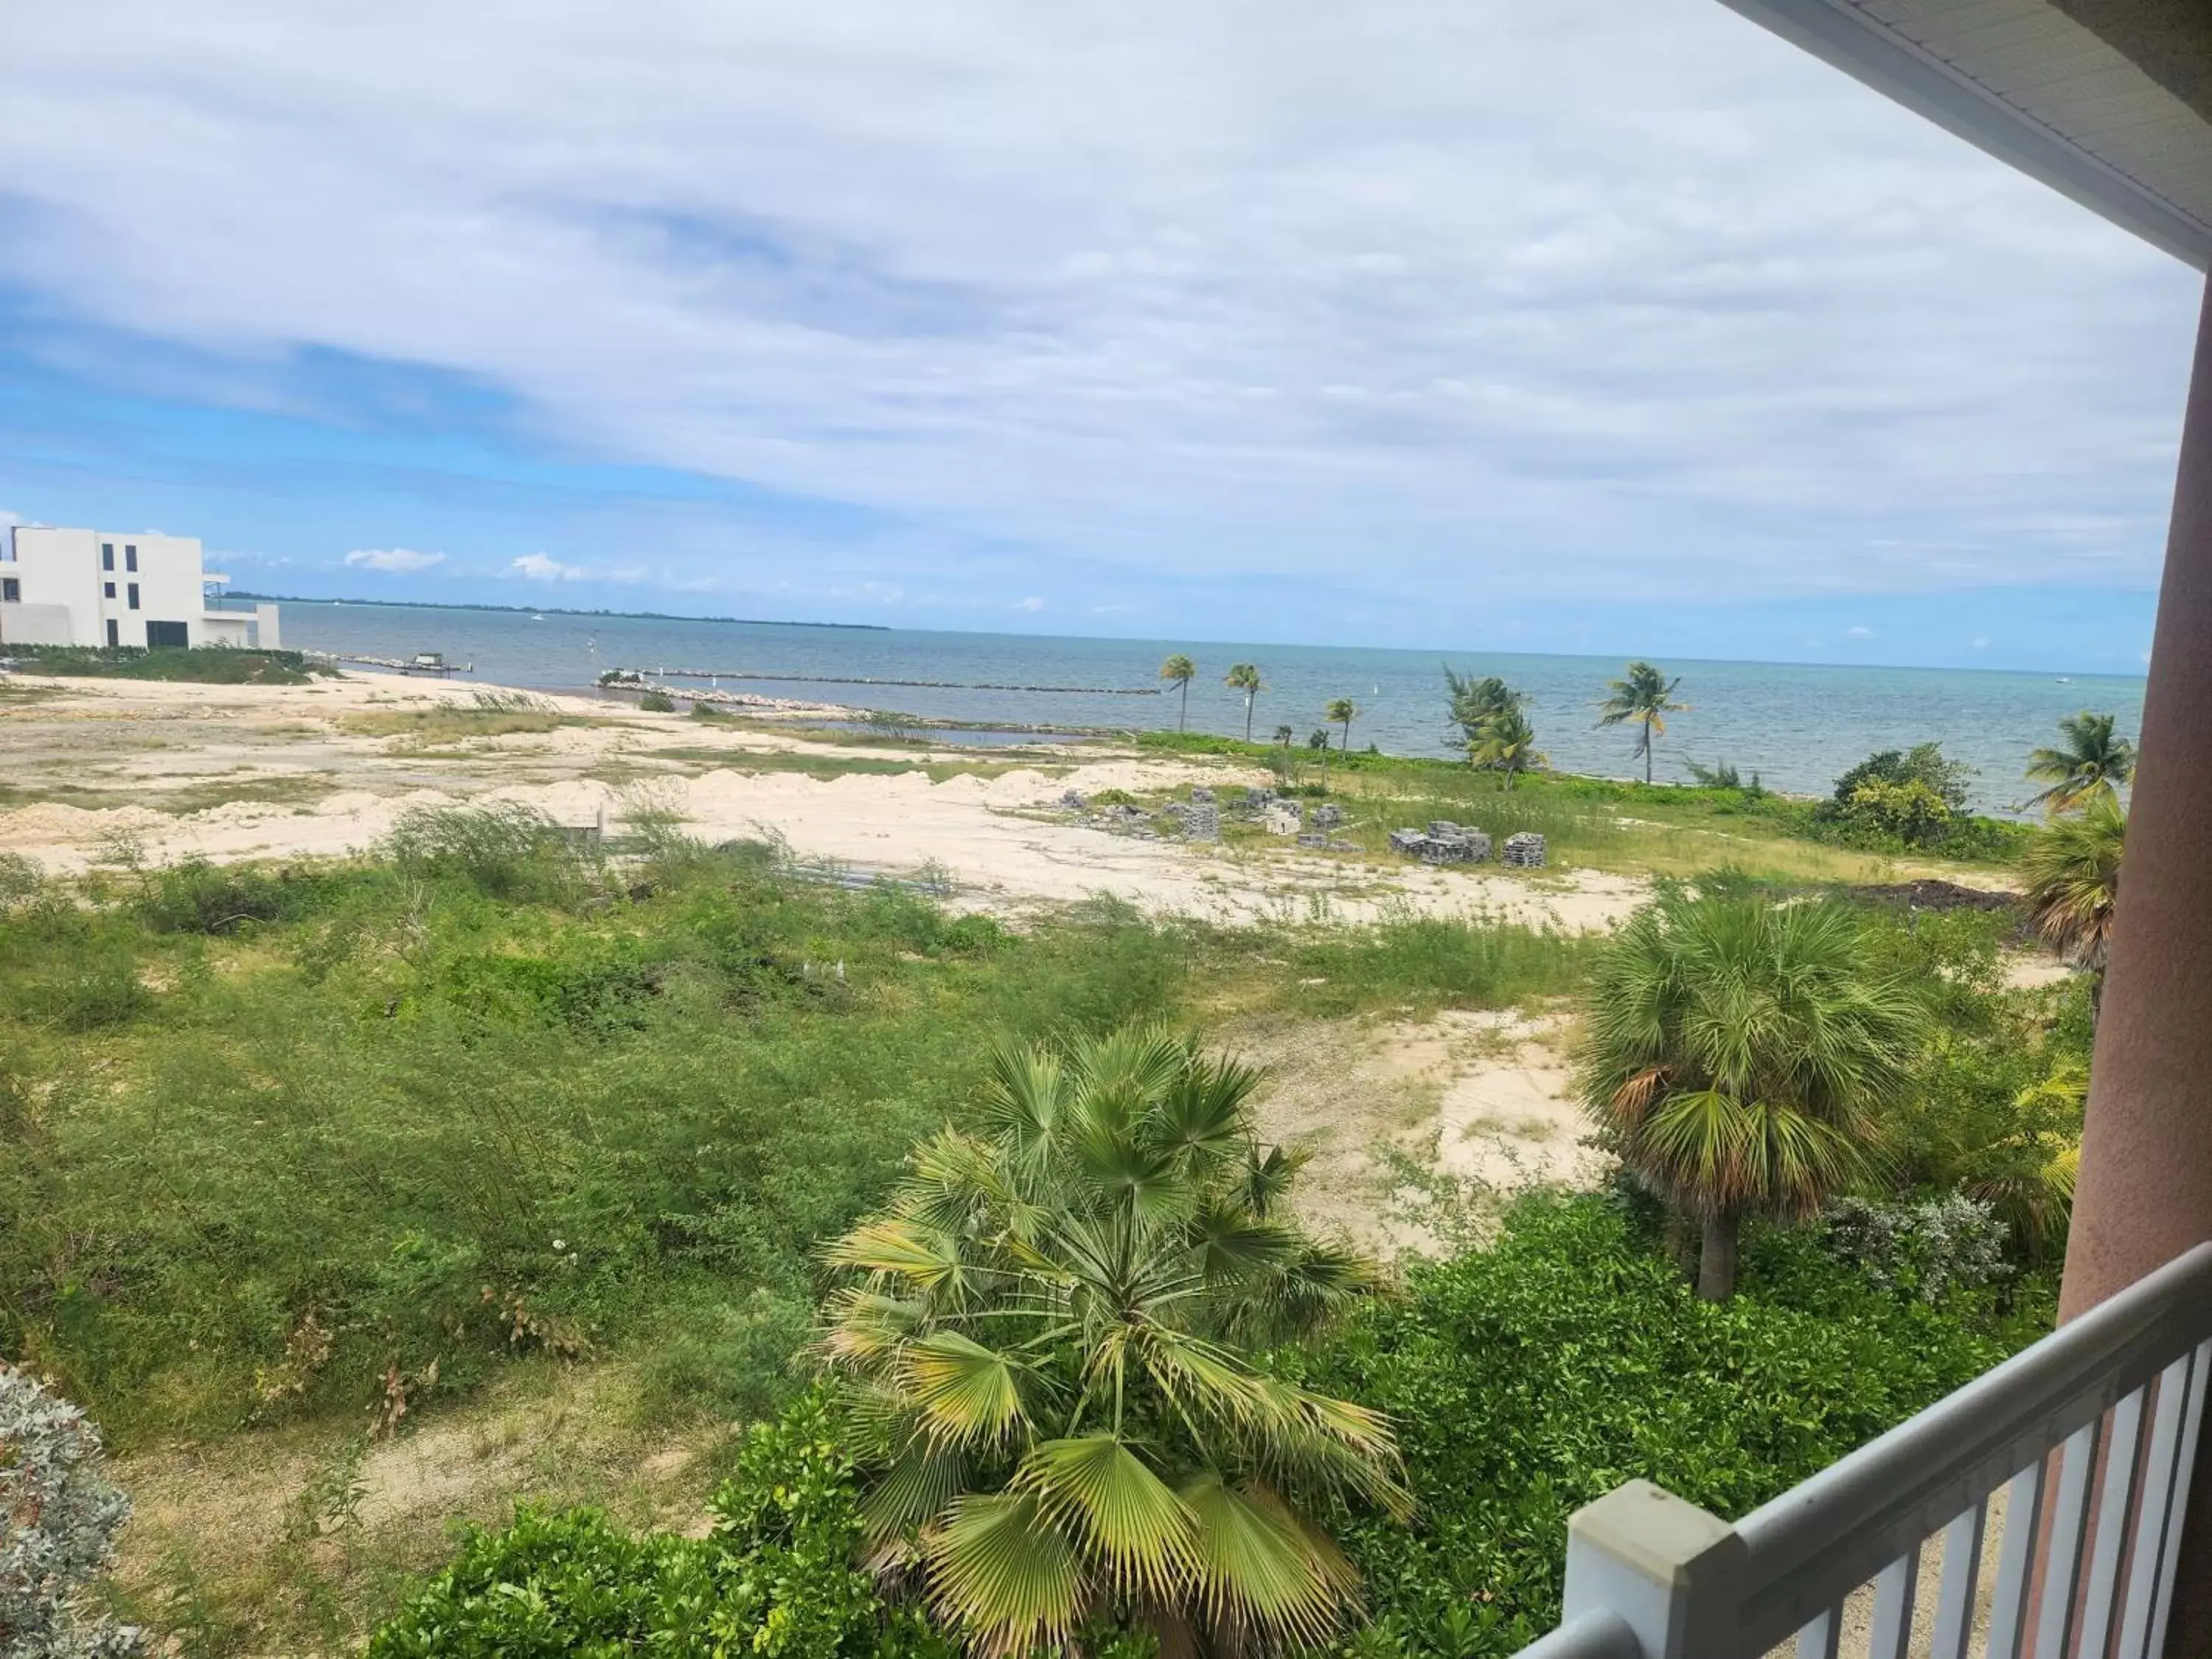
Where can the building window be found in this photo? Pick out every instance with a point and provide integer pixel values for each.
(130, 556)
(11, 591)
(134, 596)
(114, 633)
(108, 556)
(110, 588)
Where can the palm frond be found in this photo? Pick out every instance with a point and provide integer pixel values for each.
(1260, 1572)
(967, 1394)
(1004, 1573)
(1096, 1490)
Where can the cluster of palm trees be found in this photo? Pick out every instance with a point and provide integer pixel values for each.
(1179, 671)
(1738, 1057)
(2072, 866)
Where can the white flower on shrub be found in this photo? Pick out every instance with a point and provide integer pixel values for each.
(1927, 1250)
(58, 1518)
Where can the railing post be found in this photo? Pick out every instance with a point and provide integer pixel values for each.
(1669, 1571)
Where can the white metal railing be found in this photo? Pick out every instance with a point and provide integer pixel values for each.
(2090, 1434)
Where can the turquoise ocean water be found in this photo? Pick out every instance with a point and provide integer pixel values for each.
(1796, 725)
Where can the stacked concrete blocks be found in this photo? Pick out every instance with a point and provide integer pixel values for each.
(1524, 851)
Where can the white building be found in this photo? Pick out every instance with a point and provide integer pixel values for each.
(99, 587)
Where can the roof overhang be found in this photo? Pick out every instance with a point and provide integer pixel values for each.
(2099, 99)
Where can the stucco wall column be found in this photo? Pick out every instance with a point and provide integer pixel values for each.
(2145, 1189)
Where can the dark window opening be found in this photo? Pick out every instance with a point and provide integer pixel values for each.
(108, 556)
(134, 596)
(160, 633)
(114, 633)
(110, 589)
(130, 557)
(11, 590)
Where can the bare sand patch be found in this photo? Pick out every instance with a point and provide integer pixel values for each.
(996, 835)
(1478, 1097)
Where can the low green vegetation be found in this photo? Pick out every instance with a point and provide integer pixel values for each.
(205, 665)
(960, 1252)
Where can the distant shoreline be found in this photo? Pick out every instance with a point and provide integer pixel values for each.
(554, 610)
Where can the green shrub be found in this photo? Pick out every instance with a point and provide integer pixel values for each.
(202, 665)
(1529, 1377)
(505, 850)
(777, 1576)
(197, 896)
(657, 702)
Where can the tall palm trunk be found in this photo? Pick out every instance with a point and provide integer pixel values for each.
(1716, 1258)
(1250, 697)
(1182, 714)
(1347, 736)
(1647, 757)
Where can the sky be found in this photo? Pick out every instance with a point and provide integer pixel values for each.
(1595, 324)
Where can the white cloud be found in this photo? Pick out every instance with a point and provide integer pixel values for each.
(1031, 604)
(1614, 294)
(1860, 632)
(1981, 642)
(398, 559)
(539, 568)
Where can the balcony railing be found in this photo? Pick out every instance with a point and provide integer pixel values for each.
(2089, 1436)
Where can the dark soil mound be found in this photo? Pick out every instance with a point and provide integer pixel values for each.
(1936, 896)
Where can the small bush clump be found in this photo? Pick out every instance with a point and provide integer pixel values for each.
(58, 1517)
(776, 1577)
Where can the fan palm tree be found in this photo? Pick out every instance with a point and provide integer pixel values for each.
(1284, 735)
(2072, 870)
(1245, 677)
(1049, 1348)
(1506, 742)
(1645, 696)
(1180, 671)
(1736, 1053)
(1342, 711)
(2091, 759)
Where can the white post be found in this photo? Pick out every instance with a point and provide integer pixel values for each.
(1669, 1571)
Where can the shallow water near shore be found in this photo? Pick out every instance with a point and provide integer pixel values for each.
(1797, 725)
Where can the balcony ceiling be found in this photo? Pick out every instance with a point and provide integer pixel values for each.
(2107, 100)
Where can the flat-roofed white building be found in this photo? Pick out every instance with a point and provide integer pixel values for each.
(131, 588)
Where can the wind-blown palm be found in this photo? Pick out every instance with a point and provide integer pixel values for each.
(1180, 671)
(1049, 1350)
(1646, 696)
(1245, 677)
(1506, 742)
(1342, 711)
(1474, 700)
(2091, 760)
(1737, 1053)
(2072, 870)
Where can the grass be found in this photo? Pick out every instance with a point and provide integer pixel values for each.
(826, 767)
(205, 665)
(489, 714)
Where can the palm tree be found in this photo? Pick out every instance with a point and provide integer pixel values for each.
(1646, 696)
(1507, 742)
(2090, 760)
(1474, 700)
(1181, 671)
(1051, 1354)
(1284, 735)
(2072, 869)
(1243, 677)
(1736, 1053)
(1342, 711)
